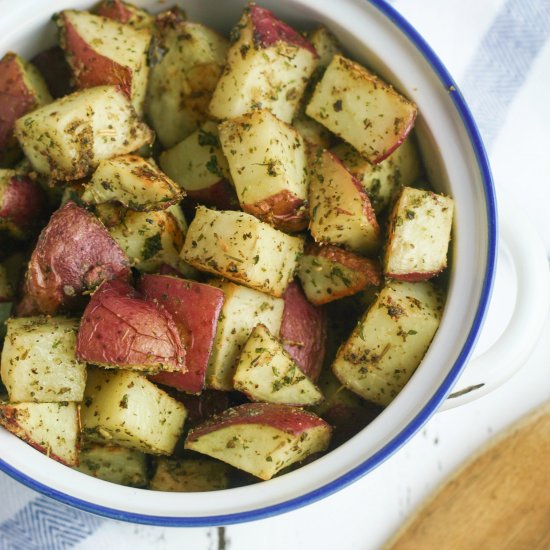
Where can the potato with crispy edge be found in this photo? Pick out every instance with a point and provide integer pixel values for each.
(189, 475)
(74, 254)
(329, 273)
(243, 309)
(382, 181)
(21, 204)
(195, 308)
(115, 464)
(119, 329)
(266, 373)
(39, 361)
(303, 331)
(268, 163)
(132, 181)
(103, 51)
(51, 428)
(183, 77)
(261, 438)
(150, 239)
(340, 210)
(67, 138)
(240, 247)
(126, 13)
(362, 109)
(198, 166)
(22, 89)
(389, 342)
(124, 408)
(419, 234)
(268, 66)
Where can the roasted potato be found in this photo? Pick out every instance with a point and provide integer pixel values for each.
(103, 51)
(362, 109)
(303, 331)
(239, 247)
(126, 13)
(189, 475)
(419, 235)
(267, 66)
(124, 408)
(268, 164)
(265, 372)
(119, 329)
(66, 139)
(195, 308)
(39, 361)
(261, 438)
(74, 254)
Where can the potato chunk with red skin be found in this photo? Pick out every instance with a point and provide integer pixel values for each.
(126, 13)
(21, 201)
(195, 308)
(74, 253)
(261, 438)
(21, 90)
(303, 331)
(121, 330)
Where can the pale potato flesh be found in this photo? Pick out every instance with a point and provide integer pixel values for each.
(243, 309)
(124, 408)
(39, 362)
(265, 372)
(390, 341)
(362, 109)
(51, 428)
(189, 475)
(243, 249)
(66, 139)
(420, 231)
(132, 181)
(115, 464)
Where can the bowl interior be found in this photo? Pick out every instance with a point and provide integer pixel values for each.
(375, 35)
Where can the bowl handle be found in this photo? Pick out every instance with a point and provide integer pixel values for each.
(486, 372)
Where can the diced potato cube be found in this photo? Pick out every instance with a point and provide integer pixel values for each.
(39, 361)
(419, 235)
(268, 163)
(132, 181)
(239, 247)
(115, 464)
(383, 180)
(362, 109)
(51, 428)
(265, 372)
(243, 309)
(268, 66)
(340, 210)
(389, 342)
(67, 138)
(190, 475)
(330, 273)
(124, 408)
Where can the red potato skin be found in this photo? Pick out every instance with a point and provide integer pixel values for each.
(414, 277)
(284, 210)
(120, 329)
(303, 331)
(114, 9)
(286, 418)
(74, 253)
(15, 100)
(269, 30)
(8, 419)
(21, 203)
(221, 195)
(55, 70)
(195, 308)
(89, 68)
(385, 154)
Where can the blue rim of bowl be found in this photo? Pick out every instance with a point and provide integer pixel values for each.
(425, 413)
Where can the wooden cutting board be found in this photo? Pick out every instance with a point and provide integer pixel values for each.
(500, 499)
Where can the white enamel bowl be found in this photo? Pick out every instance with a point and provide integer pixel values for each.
(373, 33)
